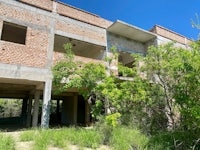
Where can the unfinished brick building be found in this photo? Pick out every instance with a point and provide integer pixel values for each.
(32, 36)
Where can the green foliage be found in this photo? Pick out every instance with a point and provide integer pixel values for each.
(125, 71)
(6, 142)
(126, 139)
(114, 55)
(162, 95)
(113, 119)
(10, 107)
(167, 89)
(68, 74)
(174, 140)
(196, 24)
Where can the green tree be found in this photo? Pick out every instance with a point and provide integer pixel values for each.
(163, 92)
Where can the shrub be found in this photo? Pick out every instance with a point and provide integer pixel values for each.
(176, 140)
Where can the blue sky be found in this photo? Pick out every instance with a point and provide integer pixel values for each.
(175, 15)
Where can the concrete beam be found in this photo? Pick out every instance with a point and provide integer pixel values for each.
(24, 72)
(80, 38)
(24, 23)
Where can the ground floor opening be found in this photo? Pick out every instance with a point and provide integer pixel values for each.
(22, 104)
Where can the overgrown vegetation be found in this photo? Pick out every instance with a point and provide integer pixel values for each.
(162, 100)
(10, 107)
(6, 142)
(120, 138)
(62, 137)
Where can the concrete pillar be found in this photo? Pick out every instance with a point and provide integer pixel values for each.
(87, 113)
(24, 111)
(51, 44)
(58, 110)
(36, 109)
(75, 109)
(1, 27)
(28, 120)
(46, 104)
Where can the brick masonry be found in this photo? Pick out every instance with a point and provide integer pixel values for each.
(77, 29)
(81, 15)
(34, 52)
(59, 56)
(44, 4)
(170, 35)
(38, 16)
(69, 11)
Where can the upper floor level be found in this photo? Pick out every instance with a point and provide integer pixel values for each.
(33, 33)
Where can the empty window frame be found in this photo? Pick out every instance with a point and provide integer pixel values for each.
(14, 33)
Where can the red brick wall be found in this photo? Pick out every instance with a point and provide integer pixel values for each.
(24, 15)
(57, 56)
(78, 14)
(11, 53)
(44, 4)
(33, 53)
(170, 35)
(81, 31)
(70, 11)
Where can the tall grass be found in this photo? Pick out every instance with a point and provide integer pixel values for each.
(6, 142)
(62, 137)
(119, 138)
(124, 138)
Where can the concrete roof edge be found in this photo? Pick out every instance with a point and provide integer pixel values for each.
(132, 26)
(77, 8)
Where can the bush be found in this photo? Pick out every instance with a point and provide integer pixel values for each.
(176, 140)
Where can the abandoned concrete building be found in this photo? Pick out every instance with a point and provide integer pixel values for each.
(32, 36)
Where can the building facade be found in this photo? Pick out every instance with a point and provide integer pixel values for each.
(32, 37)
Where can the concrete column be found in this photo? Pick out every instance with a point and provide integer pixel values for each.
(46, 104)
(28, 120)
(36, 109)
(24, 111)
(75, 109)
(87, 113)
(51, 44)
(1, 27)
(58, 110)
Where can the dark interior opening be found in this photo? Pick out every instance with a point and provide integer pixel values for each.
(14, 33)
(81, 110)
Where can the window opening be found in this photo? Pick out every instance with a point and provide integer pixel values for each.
(14, 33)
